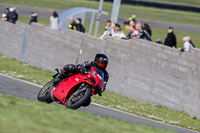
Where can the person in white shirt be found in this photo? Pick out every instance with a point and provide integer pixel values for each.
(118, 33)
(54, 21)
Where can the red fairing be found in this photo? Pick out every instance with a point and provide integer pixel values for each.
(67, 86)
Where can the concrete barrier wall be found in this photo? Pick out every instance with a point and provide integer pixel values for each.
(138, 69)
(11, 39)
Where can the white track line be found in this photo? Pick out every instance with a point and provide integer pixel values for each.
(102, 105)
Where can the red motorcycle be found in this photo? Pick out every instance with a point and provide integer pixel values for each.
(74, 91)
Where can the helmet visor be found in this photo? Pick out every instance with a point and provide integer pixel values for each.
(101, 64)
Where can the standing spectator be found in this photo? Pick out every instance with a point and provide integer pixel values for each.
(33, 17)
(170, 40)
(12, 15)
(54, 20)
(79, 25)
(187, 44)
(107, 31)
(148, 29)
(5, 14)
(118, 33)
(72, 24)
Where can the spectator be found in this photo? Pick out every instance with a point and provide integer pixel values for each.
(148, 29)
(131, 31)
(107, 31)
(33, 17)
(170, 40)
(5, 14)
(72, 24)
(54, 20)
(12, 15)
(190, 41)
(132, 24)
(79, 25)
(118, 33)
(141, 32)
(187, 44)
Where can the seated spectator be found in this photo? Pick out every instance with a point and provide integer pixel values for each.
(5, 14)
(132, 24)
(148, 29)
(79, 26)
(187, 44)
(170, 40)
(72, 24)
(107, 31)
(118, 33)
(131, 29)
(54, 20)
(141, 32)
(130, 34)
(12, 15)
(33, 17)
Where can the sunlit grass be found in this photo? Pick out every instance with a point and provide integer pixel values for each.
(18, 115)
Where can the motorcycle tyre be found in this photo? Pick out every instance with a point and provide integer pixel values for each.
(82, 101)
(87, 103)
(47, 97)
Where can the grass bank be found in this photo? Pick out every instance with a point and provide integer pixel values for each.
(143, 13)
(23, 71)
(18, 115)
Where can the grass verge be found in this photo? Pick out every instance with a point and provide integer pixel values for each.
(23, 71)
(18, 115)
(143, 13)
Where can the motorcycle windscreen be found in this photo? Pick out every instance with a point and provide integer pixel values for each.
(100, 74)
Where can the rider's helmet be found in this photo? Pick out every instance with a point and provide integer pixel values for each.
(101, 61)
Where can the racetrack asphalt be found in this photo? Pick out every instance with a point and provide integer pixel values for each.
(20, 88)
(46, 13)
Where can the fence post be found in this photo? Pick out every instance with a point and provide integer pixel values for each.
(25, 43)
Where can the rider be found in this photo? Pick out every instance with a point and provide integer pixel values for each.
(100, 61)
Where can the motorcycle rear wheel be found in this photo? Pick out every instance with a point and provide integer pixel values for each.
(44, 94)
(83, 98)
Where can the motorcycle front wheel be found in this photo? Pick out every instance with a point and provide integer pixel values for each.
(78, 99)
(44, 94)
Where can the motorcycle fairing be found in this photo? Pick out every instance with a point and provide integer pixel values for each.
(65, 86)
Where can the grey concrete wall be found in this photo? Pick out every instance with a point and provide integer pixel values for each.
(11, 39)
(138, 69)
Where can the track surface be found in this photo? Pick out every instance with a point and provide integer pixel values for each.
(29, 90)
(46, 13)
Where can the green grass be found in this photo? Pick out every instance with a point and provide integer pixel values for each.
(23, 71)
(144, 13)
(157, 33)
(189, 2)
(18, 115)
